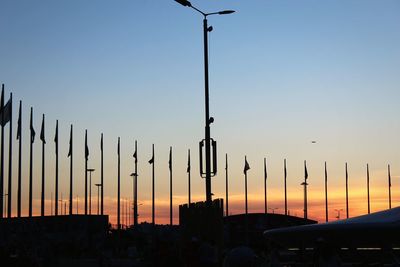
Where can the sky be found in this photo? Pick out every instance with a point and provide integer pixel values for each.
(282, 74)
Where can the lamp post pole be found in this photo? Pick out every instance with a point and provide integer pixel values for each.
(208, 119)
(90, 190)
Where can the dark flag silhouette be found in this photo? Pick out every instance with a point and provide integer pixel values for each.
(42, 138)
(189, 172)
(70, 155)
(32, 138)
(390, 187)
(305, 190)
(56, 182)
(285, 176)
(265, 186)
(326, 194)
(101, 175)
(151, 161)
(86, 170)
(170, 185)
(347, 192)
(226, 185)
(369, 207)
(245, 170)
(19, 138)
(119, 187)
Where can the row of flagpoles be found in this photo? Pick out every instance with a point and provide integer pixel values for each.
(6, 117)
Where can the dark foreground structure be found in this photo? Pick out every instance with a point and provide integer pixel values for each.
(369, 240)
(51, 240)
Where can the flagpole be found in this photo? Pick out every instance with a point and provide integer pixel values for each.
(226, 185)
(170, 185)
(305, 191)
(2, 155)
(285, 176)
(326, 194)
(31, 163)
(369, 207)
(56, 183)
(265, 186)
(43, 168)
(101, 175)
(86, 170)
(189, 178)
(153, 191)
(71, 146)
(347, 193)
(119, 184)
(390, 185)
(135, 203)
(9, 202)
(245, 187)
(19, 135)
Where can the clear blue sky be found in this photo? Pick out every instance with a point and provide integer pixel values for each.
(282, 73)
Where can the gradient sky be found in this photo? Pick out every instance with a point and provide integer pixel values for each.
(282, 73)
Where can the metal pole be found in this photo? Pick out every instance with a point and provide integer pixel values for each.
(9, 202)
(369, 207)
(71, 171)
(56, 183)
(102, 178)
(19, 193)
(226, 185)
(347, 193)
(326, 194)
(207, 113)
(2, 158)
(43, 172)
(31, 164)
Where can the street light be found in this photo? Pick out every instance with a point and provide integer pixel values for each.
(208, 120)
(90, 190)
(273, 210)
(338, 213)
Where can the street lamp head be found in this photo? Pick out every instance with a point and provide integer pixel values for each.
(184, 3)
(225, 12)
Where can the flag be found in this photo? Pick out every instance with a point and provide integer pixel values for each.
(390, 179)
(188, 164)
(56, 137)
(101, 142)
(33, 133)
(305, 171)
(170, 159)
(5, 113)
(86, 147)
(246, 166)
(151, 161)
(135, 154)
(265, 169)
(42, 132)
(70, 143)
(347, 175)
(326, 173)
(118, 149)
(19, 121)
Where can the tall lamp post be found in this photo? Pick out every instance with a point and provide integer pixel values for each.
(208, 120)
